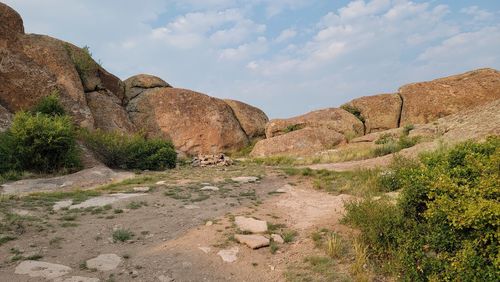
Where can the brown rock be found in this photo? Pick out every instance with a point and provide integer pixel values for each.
(424, 102)
(11, 23)
(332, 119)
(380, 112)
(252, 120)
(136, 84)
(196, 123)
(297, 143)
(108, 113)
(5, 119)
(253, 241)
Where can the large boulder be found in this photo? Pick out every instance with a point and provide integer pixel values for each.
(11, 23)
(5, 119)
(108, 113)
(136, 84)
(338, 120)
(253, 120)
(196, 123)
(301, 142)
(379, 112)
(425, 102)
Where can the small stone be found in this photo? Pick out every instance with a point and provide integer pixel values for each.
(209, 188)
(141, 189)
(250, 224)
(245, 179)
(206, 250)
(277, 238)
(46, 270)
(253, 241)
(62, 204)
(191, 207)
(163, 182)
(271, 267)
(229, 255)
(209, 223)
(104, 262)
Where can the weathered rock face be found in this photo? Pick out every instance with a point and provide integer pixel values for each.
(424, 102)
(252, 120)
(11, 23)
(297, 143)
(334, 119)
(5, 119)
(136, 84)
(196, 123)
(109, 115)
(380, 112)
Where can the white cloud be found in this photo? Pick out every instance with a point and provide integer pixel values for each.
(286, 34)
(478, 14)
(244, 51)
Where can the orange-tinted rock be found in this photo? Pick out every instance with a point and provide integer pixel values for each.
(334, 119)
(425, 102)
(196, 123)
(252, 120)
(108, 113)
(11, 23)
(136, 84)
(304, 141)
(380, 112)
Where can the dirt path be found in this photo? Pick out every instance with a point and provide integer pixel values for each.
(172, 240)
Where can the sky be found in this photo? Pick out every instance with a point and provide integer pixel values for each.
(286, 57)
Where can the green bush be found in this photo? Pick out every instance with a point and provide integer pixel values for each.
(445, 226)
(39, 142)
(353, 110)
(131, 151)
(50, 105)
(82, 59)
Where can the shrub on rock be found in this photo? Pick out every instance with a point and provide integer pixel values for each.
(134, 151)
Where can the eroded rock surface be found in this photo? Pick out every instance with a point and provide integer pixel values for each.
(42, 269)
(252, 241)
(250, 224)
(252, 120)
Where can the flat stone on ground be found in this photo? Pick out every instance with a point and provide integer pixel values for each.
(104, 262)
(253, 241)
(245, 179)
(42, 269)
(277, 238)
(104, 200)
(62, 204)
(206, 250)
(141, 189)
(250, 224)
(191, 207)
(229, 255)
(210, 188)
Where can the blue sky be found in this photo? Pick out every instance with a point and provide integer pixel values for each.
(287, 57)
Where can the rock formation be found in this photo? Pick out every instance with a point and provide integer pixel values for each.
(252, 120)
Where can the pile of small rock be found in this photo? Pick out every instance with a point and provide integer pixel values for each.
(211, 160)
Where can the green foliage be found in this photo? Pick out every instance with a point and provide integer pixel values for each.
(131, 151)
(407, 128)
(293, 127)
(82, 59)
(353, 110)
(50, 105)
(122, 235)
(445, 225)
(389, 145)
(39, 142)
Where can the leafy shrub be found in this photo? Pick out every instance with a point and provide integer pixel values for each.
(445, 226)
(84, 64)
(407, 128)
(353, 110)
(50, 105)
(131, 151)
(39, 142)
(388, 145)
(384, 139)
(293, 127)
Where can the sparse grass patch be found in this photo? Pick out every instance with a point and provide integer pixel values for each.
(122, 235)
(334, 245)
(289, 235)
(136, 205)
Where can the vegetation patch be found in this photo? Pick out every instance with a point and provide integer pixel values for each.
(353, 110)
(445, 224)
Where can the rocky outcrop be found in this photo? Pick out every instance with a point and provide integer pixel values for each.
(5, 119)
(196, 123)
(334, 119)
(109, 115)
(136, 84)
(425, 102)
(252, 120)
(11, 23)
(301, 142)
(379, 112)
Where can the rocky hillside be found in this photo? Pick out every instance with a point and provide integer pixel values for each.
(34, 66)
(414, 104)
